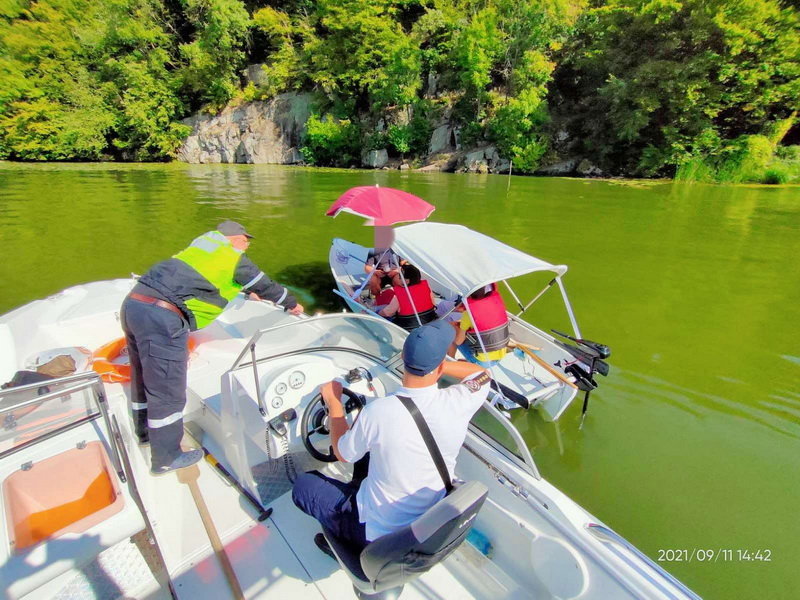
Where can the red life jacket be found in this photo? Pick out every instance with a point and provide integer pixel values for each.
(385, 297)
(420, 293)
(490, 318)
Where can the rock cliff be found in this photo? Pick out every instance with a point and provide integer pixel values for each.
(256, 132)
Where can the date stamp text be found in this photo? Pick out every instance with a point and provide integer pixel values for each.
(713, 555)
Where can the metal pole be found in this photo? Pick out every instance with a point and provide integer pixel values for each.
(137, 499)
(369, 276)
(483, 346)
(261, 407)
(539, 295)
(410, 299)
(569, 308)
(101, 402)
(510, 289)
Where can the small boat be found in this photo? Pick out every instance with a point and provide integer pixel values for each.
(456, 261)
(85, 519)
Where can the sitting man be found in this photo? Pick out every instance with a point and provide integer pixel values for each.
(416, 294)
(386, 271)
(491, 322)
(403, 481)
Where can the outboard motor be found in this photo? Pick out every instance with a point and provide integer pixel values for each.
(385, 565)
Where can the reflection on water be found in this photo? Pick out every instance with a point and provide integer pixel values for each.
(692, 440)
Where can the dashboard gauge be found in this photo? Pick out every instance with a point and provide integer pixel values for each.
(277, 402)
(296, 380)
(280, 388)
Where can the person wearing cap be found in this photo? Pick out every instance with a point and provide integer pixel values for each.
(181, 294)
(395, 479)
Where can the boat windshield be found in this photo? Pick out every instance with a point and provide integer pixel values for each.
(35, 412)
(365, 334)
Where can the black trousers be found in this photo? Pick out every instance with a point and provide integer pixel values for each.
(158, 347)
(333, 503)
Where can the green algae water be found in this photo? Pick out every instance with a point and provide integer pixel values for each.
(693, 441)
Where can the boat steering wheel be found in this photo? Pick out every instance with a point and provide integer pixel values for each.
(315, 422)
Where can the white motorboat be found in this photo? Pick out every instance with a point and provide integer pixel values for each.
(456, 261)
(85, 519)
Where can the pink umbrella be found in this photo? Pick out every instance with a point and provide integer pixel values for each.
(381, 206)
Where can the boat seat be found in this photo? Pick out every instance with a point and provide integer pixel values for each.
(385, 565)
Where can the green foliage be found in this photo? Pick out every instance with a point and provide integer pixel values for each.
(775, 176)
(284, 68)
(91, 80)
(647, 80)
(329, 142)
(747, 159)
(214, 57)
(376, 141)
(399, 138)
(706, 89)
(364, 53)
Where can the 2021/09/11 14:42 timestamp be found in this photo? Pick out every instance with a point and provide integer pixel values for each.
(714, 555)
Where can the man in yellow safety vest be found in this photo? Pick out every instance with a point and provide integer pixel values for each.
(178, 295)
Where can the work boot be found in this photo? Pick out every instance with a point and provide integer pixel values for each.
(323, 545)
(144, 438)
(185, 459)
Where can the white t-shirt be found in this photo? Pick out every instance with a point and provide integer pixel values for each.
(403, 481)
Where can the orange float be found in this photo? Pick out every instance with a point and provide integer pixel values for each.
(103, 360)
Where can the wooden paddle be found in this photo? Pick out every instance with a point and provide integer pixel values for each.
(527, 349)
(189, 476)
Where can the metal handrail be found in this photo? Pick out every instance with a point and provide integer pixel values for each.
(325, 317)
(607, 535)
(45, 397)
(525, 453)
(87, 380)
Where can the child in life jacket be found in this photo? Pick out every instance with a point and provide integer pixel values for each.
(414, 297)
(486, 306)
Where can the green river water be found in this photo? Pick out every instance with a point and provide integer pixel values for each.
(692, 442)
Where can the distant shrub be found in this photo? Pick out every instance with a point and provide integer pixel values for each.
(375, 141)
(329, 142)
(775, 176)
(399, 138)
(788, 153)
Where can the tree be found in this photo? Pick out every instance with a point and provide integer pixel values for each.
(652, 83)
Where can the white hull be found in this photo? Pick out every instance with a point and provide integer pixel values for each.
(544, 545)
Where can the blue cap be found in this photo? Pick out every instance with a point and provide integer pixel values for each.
(426, 347)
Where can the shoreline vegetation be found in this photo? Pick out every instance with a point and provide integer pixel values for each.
(695, 90)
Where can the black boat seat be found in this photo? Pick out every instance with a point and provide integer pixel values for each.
(382, 568)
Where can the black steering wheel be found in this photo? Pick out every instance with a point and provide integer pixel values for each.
(315, 422)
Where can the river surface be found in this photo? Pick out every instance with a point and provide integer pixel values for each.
(692, 442)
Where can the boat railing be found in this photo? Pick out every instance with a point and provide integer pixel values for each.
(33, 413)
(613, 540)
(521, 455)
(385, 338)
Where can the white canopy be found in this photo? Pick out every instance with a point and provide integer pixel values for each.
(463, 260)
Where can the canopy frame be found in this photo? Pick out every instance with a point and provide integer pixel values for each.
(469, 237)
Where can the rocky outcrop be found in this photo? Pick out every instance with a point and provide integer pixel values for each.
(256, 132)
(565, 167)
(256, 75)
(442, 140)
(376, 159)
(587, 169)
(485, 160)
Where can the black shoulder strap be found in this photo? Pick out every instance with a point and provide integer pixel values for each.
(427, 437)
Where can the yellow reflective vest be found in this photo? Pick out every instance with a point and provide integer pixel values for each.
(213, 256)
